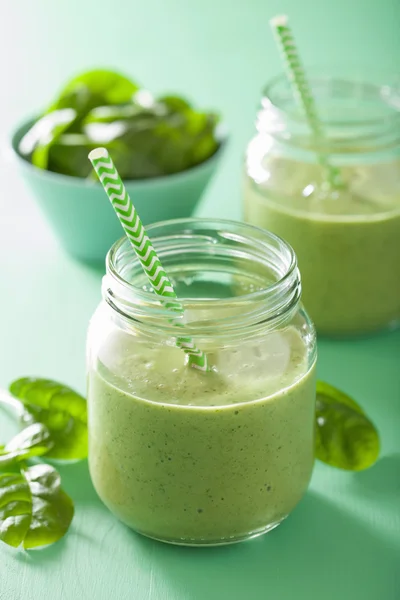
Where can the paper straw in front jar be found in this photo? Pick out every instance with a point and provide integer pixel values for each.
(136, 233)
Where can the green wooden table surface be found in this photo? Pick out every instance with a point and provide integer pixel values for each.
(343, 540)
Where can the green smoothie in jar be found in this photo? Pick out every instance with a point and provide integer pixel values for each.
(347, 240)
(203, 458)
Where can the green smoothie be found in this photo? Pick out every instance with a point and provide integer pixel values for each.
(347, 242)
(200, 458)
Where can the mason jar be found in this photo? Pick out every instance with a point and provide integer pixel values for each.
(347, 235)
(192, 457)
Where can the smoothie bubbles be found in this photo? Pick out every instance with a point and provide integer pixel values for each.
(202, 457)
(323, 172)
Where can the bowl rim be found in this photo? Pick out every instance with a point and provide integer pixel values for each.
(14, 137)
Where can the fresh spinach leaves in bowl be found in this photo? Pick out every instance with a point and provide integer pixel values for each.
(147, 137)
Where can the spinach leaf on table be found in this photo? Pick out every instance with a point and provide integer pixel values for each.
(60, 409)
(34, 510)
(34, 440)
(345, 436)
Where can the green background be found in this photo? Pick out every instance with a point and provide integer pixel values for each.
(343, 541)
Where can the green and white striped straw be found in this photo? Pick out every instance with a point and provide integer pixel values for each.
(302, 93)
(136, 233)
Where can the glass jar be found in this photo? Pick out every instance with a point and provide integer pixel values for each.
(347, 239)
(189, 457)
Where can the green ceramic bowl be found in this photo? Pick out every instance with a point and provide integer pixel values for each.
(81, 215)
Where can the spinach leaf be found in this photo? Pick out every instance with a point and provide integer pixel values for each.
(184, 140)
(83, 93)
(95, 88)
(123, 112)
(36, 142)
(175, 104)
(156, 143)
(60, 409)
(34, 440)
(34, 510)
(69, 154)
(345, 437)
(147, 137)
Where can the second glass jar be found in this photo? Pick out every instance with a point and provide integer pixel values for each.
(347, 239)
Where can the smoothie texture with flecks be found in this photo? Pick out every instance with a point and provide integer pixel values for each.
(192, 457)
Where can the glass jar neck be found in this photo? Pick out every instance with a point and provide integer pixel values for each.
(232, 280)
(356, 117)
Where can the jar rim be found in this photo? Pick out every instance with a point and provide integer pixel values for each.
(387, 92)
(111, 256)
(277, 297)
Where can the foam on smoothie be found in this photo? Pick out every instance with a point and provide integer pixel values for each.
(160, 374)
